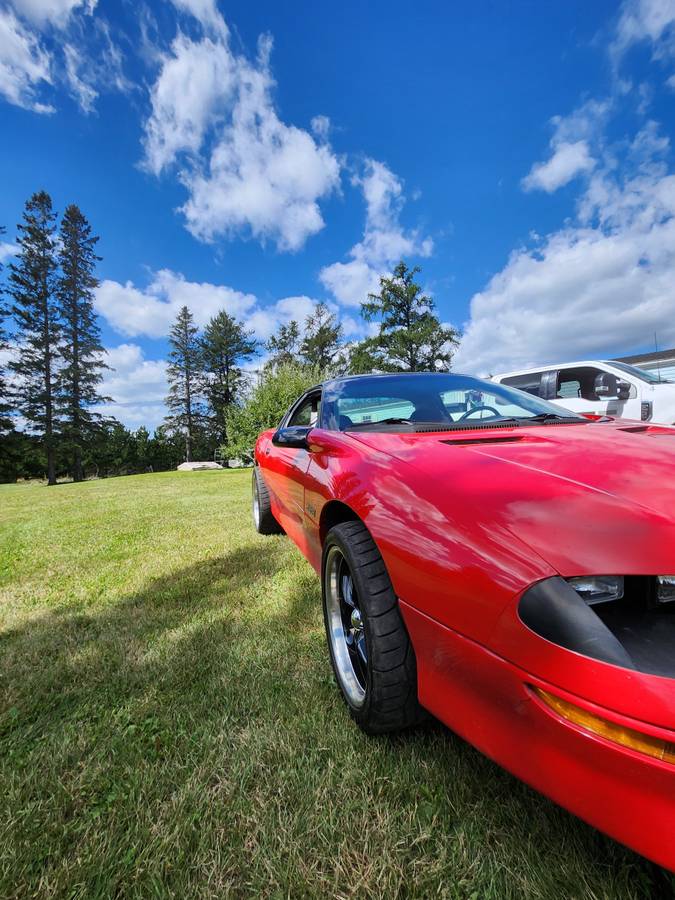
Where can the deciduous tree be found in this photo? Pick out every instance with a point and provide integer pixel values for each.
(266, 405)
(32, 286)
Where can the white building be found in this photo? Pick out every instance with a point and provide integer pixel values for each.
(662, 362)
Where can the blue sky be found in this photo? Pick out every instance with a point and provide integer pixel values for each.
(261, 156)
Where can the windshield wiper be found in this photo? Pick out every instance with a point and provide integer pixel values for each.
(552, 417)
(391, 421)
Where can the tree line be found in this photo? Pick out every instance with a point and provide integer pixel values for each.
(54, 361)
(407, 336)
(224, 386)
(56, 366)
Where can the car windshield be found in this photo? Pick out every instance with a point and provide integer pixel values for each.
(642, 374)
(415, 402)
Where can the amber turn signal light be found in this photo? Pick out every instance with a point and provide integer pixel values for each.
(617, 734)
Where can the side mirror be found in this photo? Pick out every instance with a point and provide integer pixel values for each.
(623, 390)
(293, 436)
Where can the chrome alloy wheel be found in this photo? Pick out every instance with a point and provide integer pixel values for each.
(345, 628)
(256, 503)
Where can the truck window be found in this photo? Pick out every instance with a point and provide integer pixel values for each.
(577, 382)
(530, 382)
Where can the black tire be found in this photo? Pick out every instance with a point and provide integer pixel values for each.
(263, 519)
(388, 678)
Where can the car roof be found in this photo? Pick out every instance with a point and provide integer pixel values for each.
(386, 375)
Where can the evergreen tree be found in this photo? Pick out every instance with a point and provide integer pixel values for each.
(82, 351)
(323, 334)
(360, 358)
(284, 345)
(411, 338)
(225, 345)
(185, 376)
(5, 405)
(35, 310)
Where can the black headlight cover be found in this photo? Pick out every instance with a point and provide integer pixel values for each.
(555, 611)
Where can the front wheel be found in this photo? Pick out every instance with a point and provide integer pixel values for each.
(370, 651)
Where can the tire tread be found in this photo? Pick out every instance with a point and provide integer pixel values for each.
(391, 702)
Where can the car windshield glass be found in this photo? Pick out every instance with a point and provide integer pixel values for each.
(411, 402)
(642, 374)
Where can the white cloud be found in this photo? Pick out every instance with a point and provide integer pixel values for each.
(205, 11)
(151, 312)
(568, 161)
(54, 12)
(645, 20)
(85, 94)
(195, 86)
(602, 286)
(321, 126)
(7, 250)
(576, 140)
(384, 243)
(136, 385)
(24, 64)
(246, 171)
(57, 42)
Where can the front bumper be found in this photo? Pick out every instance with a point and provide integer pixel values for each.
(489, 701)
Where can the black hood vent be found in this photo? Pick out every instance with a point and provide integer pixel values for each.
(491, 439)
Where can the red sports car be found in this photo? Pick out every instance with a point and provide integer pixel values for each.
(502, 564)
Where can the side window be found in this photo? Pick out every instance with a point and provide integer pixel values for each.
(307, 414)
(579, 382)
(530, 383)
(568, 385)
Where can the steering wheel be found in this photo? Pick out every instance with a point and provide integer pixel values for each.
(495, 412)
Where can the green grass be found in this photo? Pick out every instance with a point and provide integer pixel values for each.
(169, 726)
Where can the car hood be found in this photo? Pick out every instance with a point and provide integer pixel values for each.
(587, 498)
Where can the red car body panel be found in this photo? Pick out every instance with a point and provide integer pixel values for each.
(466, 522)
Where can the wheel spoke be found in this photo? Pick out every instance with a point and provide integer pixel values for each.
(347, 633)
(361, 647)
(347, 587)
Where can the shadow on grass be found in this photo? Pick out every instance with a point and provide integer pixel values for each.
(188, 740)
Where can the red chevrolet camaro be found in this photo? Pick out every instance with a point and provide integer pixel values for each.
(503, 564)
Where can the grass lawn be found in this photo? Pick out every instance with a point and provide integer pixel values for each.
(169, 726)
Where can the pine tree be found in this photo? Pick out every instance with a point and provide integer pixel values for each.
(411, 338)
(83, 352)
(323, 334)
(226, 344)
(35, 311)
(185, 376)
(5, 405)
(284, 345)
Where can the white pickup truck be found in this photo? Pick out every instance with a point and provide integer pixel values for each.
(600, 387)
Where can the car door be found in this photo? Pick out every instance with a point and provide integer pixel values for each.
(285, 467)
